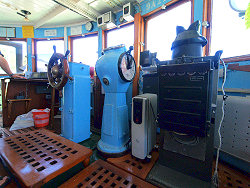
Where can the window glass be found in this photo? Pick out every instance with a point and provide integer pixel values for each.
(85, 50)
(122, 35)
(15, 52)
(161, 30)
(45, 51)
(229, 32)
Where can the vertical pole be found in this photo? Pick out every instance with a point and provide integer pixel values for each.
(52, 112)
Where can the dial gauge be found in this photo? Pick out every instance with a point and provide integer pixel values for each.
(89, 26)
(126, 67)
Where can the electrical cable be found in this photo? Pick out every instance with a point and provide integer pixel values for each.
(215, 176)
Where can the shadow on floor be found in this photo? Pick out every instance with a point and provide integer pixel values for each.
(90, 143)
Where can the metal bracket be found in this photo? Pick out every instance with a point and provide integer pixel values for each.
(205, 24)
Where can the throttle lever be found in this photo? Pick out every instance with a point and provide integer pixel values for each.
(129, 63)
(54, 48)
(67, 53)
(67, 75)
(130, 49)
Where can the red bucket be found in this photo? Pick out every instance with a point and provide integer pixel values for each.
(41, 117)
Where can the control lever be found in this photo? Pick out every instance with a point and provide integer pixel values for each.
(54, 48)
(130, 49)
(67, 53)
(129, 62)
(67, 75)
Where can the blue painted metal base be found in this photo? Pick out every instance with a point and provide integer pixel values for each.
(111, 149)
(76, 104)
(115, 126)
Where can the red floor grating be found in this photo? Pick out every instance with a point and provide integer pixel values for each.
(6, 132)
(134, 165)
(38, 156)
(229, 177)
(101, 174)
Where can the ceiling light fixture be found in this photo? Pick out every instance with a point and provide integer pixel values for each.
(25, 14)
(85, 11)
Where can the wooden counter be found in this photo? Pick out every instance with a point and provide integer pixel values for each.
(14, 105)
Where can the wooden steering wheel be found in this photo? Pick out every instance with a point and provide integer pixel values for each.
(58, 70)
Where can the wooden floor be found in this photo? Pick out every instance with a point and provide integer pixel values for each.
(228, 176)
(231, 177)
(101, 174)
(5, 132)
(43, 154)
(133, 165)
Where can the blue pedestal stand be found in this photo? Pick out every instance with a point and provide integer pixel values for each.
(115, 124)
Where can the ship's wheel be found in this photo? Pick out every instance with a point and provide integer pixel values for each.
(58, 70)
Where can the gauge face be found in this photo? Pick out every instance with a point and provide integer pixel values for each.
(126, 67)
(88, 26)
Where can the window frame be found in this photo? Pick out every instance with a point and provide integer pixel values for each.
(73, 37)
(105, 34)
(159, 11)
(207, 32)
(14, 39)
(34, 50)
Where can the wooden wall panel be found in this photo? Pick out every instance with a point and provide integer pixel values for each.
(15, 87)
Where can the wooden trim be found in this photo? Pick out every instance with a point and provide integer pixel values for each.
(145, 34)
(192, 11)
(104, 40)
(142, 35)
(20, 74)
(237, 58)
(138, 47)
(18, 100)
(206, 31)
(54, 38)
(33, 54)
(84, 35)
(13, 39)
